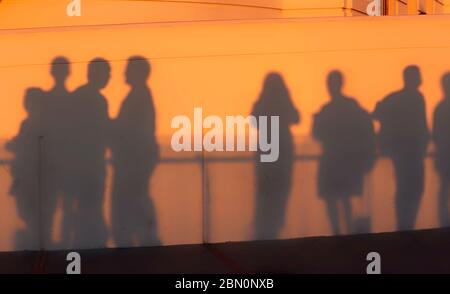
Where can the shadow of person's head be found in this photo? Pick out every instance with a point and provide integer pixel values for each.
(138, 71)
(60, 69)
(445, 84)
(335, 82)
(32, 101)
(99, 73)
(411, 77)
(274, 87)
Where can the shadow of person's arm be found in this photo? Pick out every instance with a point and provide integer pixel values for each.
(378, 112)
(256, 112)
(110, 128)
(426, 136)
(317, 127)
(293, 114)
(438, 123)
(369, 141)
(13, 144)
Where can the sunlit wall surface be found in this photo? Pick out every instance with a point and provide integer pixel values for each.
(220, 66)
(28, 13)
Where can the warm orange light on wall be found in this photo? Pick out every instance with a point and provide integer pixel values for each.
(220, 66)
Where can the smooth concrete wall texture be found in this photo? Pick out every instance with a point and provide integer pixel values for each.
(220, 66)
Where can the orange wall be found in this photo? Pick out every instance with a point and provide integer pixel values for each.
(220, 65)
(43, 13)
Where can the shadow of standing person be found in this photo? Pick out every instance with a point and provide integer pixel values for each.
(346, 133)
(88, 140)
(441, 139)
(56, 120)
(39, 150)
(273, 179)
(25, 170)
(404, 138)
(135, 154)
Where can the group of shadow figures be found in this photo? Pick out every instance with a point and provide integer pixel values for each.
(66, 134)
(349, 149)
(60, 158)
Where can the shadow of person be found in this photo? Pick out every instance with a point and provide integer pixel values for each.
(346, 133)
(135, 154)
(441, 139)
(273, 179)
(56, 120)
(37, 150)
(25, 169)
(404, 137)
(86, 160)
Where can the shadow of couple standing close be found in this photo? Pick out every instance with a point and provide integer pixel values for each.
(346, 133)
(60, 160)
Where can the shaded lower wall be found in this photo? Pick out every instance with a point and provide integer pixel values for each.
(224, 211)
(220, 66)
